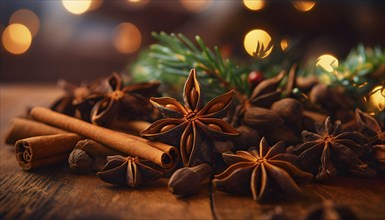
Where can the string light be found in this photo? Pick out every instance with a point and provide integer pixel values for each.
(257, 43)
(16, 38)
(195, 5)
(303, 5)
(77, 6)
(126, 38)
(327, 62)
(254, 5)
(377, 98)
(284, 44)
(28, 18)
(95, 4)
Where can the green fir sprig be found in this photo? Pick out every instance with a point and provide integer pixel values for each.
(171, 59)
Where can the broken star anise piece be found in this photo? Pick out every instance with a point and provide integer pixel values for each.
(331, 150)
(128, 101)
(187, 124)
(81, 98)
(261, 171)
(130, 171)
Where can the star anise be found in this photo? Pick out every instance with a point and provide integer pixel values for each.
(370, 127)
(81, 98)
(261, 171)
(187, 124)
(130, 171)
(331, 150)
(128, 101)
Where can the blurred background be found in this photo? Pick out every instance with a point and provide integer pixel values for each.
(43, 41)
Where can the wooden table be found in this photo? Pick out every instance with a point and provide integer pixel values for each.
(57, 193)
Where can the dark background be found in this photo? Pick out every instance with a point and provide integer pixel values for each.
(63, 48)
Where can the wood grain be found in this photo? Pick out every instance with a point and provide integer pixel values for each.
(366, 198)
(57, 193)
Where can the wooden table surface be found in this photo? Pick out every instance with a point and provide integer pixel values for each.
(57, 193)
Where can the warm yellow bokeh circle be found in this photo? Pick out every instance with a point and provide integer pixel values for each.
(16, 38)
(77, 6)
(253, 38)
(127, 38)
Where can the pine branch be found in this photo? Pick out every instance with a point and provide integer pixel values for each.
(173, 57)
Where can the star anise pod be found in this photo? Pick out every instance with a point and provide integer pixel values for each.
(129, 101)
(130, 171)
(261, 171)
(331, 150)
(370, 127)
(81, 98)
(188, 123)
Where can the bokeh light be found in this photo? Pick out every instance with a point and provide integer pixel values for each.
(77, 6)
(28, 18)
(16, 38)
(377, 98)
(196, 5)
(303, 5)
(327, 62)
(255, 37)
(126, 38)
(138, 3)
(284, 44)
(95, 4)
(254, 5)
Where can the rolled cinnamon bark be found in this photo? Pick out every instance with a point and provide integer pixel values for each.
(39, 151)
(131, 127)
(113, 139)
(20, 128)
(168, 149)
(136, 127)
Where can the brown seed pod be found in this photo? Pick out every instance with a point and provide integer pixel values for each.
(248, 137)
(188, 180)
(290, 111)
(262, 118)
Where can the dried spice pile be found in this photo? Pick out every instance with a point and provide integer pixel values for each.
(269, 141)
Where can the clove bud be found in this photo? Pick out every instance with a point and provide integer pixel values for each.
(262, 118)
(248, 137)
(290, 111)
(89, 155)
(188, 180)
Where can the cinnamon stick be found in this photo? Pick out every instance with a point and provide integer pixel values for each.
(138, 126)
(20, 128)
(168, 149)
(90, 155)
(40, 151)
(131, 127)
(113, 139)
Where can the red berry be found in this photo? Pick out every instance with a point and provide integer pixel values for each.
(255, 77)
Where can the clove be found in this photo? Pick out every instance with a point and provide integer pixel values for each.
(89, 156)
(188, 180)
